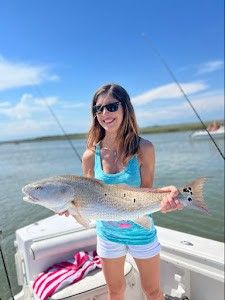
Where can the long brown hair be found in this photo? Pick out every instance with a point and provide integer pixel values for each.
(128, 138)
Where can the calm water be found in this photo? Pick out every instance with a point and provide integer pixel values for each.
(178, 161)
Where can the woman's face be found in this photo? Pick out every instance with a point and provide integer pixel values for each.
(110, 121)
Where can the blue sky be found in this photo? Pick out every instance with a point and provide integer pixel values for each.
(64, 50)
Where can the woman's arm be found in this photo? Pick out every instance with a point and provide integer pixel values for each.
(88, 163)
(147, 167)
(146, 157)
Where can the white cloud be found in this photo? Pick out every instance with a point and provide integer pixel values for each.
(204, 103)
(5, 104)
(17, 129)
(14, 74)
(45, 101)
(210, 66)
(26, 106)
(73, 105)
(29, 117)
(168, 91)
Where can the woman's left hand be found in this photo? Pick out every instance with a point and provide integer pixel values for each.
(170, 202)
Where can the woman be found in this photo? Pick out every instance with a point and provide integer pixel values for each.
(116, 154)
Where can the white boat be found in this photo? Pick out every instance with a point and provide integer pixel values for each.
(203, 134)
(191, 267)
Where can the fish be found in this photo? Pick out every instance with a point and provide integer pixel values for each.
(89, 199)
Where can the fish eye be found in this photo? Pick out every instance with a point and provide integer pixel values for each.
(38, 187)
(189, 199)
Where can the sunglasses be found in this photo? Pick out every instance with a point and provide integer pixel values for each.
(111, 107)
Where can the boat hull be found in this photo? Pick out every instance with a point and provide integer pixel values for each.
(190, 266)
(203, 134)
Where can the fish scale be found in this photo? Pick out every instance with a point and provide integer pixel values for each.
(90, 199)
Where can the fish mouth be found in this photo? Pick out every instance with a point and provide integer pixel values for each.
(29, 198)
(32, 199)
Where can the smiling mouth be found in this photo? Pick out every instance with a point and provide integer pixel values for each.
(108, 121)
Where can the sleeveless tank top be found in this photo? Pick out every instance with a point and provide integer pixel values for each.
(125, 231)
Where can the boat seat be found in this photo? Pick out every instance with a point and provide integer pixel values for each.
(92, 284)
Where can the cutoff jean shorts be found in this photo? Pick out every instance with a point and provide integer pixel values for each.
(108, 249)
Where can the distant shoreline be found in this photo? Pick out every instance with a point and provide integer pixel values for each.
(145, 130)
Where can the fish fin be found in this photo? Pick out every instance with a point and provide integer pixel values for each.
(78, 217)
(194, 194)
(144, 221)
(81, 220)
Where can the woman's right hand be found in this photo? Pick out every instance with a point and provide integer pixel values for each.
(64, 213)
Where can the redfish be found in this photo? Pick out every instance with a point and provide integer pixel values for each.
(89, 199)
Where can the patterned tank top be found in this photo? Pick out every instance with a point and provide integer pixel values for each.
(125, 231)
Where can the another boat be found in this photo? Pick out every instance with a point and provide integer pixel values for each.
(203, 134)
(191, 267)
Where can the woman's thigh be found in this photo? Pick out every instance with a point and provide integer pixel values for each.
(113, 270)
(113, 258)
(149, 270)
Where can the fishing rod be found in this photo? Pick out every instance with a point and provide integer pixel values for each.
(4, 264)
(155, 50)
(59, 124)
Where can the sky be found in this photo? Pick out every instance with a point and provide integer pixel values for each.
(59, 52)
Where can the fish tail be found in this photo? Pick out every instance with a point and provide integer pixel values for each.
(193, 193)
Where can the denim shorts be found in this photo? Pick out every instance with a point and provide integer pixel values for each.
(108, 249)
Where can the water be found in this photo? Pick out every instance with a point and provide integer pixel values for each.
(178, 161)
